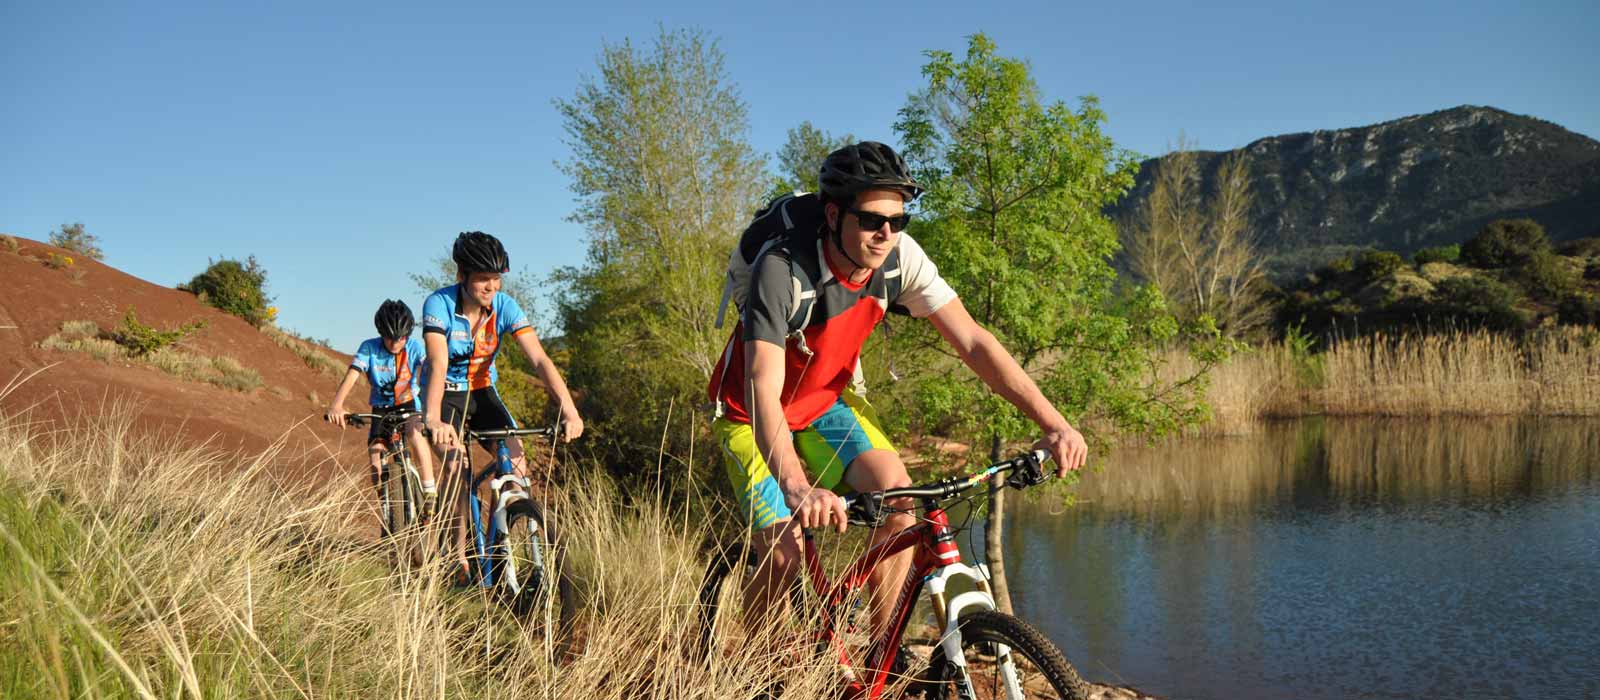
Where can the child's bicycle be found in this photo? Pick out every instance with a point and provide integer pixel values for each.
(982, 653)
(510, 547)
(401, 501)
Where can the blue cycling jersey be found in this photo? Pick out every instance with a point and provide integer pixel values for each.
(393, 376)
(472, 350)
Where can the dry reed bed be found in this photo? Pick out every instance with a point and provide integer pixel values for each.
(1553, 372)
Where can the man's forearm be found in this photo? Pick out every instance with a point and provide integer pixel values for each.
(995, 366)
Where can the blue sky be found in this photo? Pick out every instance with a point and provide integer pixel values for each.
(344, 144)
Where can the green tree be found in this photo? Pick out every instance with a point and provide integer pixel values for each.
(234, 287)
(1505, 243)
(1014, 218)
(74, 238)
(800, 158)
(665, 180)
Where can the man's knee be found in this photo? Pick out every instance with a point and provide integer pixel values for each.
(876, 470)
(777, 550)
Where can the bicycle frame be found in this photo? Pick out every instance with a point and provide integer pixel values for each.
(488, 532)
(936, 562)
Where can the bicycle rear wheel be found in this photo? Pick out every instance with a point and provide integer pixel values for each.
(1004, 658)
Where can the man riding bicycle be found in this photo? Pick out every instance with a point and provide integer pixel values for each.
(790, 426)
(391, 363)
(462, 326)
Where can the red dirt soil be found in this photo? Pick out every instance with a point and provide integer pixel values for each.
(39, 299)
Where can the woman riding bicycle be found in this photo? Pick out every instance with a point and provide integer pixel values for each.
(462, 326)
(391, 363)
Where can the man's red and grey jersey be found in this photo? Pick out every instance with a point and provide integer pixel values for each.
(820, 359)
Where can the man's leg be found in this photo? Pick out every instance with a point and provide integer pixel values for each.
(849, 434)
(778, 556)
(876, 470)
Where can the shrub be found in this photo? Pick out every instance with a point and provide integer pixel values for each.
(1505, 243)
(1338, 267)
(1443, 253)
(1548, 276)
(236, 288)
(1579, 310)
(1581, 247)
(141, 340)
(1377, 264)
(72, 237)
(57, 261)
(1481, 301)
(11, 243)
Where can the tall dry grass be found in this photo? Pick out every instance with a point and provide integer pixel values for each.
(133, 568)
(1554, 372)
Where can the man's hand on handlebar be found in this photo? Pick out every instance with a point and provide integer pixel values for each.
(1066, 445)
(444, 434)
(336, 416)
(571, 424)
(815, 507)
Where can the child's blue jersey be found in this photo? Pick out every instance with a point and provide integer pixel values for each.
(393, 376)
(472, 353)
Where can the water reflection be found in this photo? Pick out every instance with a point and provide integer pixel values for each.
(1331, 559)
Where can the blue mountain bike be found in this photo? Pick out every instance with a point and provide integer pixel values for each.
(511, 543)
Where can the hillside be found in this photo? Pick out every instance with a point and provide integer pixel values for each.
(1420, 181)
(40, 298)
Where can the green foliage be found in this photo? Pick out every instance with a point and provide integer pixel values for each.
(800, 159)
(1549, 276)
(1377, 264)
(524, 397)
(1443, 253)
(1581, 248)
(665, 180)
(234, 287)
(1014, 218)
(141, 340)
(1579, 310)
(1338, 267)
(1479, 300)
(1505, 243)
(74, 238)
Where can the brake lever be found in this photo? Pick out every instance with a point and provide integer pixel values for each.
(1029, 470)
(866, 509)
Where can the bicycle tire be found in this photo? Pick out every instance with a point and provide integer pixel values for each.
(711, 592)
(393, 502)
(528, 560)
(1044, 670)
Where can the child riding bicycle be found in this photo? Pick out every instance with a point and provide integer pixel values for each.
(391, 363)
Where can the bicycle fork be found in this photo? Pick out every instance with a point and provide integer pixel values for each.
(948, 610)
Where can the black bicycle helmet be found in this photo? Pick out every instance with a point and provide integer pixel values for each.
(394, 319)
(856, 168)
(476, 251)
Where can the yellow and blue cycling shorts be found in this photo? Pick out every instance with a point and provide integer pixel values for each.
(827, 447)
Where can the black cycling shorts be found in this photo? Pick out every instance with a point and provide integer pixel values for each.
(481, 408)
(376, 435)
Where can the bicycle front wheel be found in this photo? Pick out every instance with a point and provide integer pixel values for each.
(394, 503)
(1003, 657)
(528, 572)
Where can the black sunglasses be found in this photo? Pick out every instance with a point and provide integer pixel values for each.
(872, 222)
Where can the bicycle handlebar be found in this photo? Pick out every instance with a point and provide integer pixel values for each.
(400, 416)
(503, 433)
(867, 508)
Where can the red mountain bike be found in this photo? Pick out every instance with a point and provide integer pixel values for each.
(982, 653)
